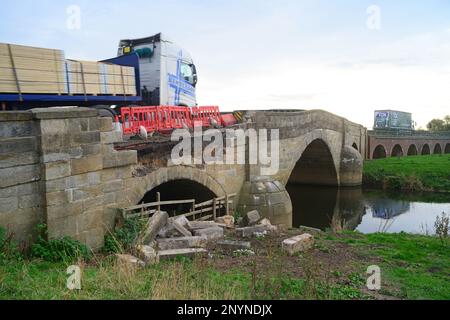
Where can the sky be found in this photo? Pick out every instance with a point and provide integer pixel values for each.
(349, 57)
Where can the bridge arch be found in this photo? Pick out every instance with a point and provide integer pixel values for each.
(437, 149)
(397, 151)
(447, 148)
(412, 150)
(426, 149)
(379, 152)
(182, 180)
(316, 166)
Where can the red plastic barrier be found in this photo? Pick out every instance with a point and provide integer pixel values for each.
(228, 120)
(167, 118)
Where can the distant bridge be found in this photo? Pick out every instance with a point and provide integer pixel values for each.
(391, 144)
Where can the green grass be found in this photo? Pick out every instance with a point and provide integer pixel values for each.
(419, 173)
(412, 266)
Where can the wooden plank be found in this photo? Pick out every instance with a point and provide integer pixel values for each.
(154, 204)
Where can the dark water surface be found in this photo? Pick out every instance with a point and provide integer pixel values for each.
(367, 211)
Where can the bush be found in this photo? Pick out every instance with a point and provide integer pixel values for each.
(56, 250)
(123, 238)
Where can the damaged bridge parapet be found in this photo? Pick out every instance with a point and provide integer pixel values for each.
(68, 168)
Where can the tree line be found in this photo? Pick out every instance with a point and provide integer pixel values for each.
(437, 125)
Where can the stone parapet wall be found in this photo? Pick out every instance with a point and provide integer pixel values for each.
(71, 168)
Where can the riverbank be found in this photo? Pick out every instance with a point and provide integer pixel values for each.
(412, 267)
(412, 173)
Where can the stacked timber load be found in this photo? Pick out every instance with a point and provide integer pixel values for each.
(29, 70)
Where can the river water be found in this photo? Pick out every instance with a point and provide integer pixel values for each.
(367, 211)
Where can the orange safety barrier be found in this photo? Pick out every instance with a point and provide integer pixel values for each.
(167, 118)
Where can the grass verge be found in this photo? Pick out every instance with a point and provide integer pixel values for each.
(413, 267)
(415, 173)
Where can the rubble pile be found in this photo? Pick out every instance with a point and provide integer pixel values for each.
(166, 238)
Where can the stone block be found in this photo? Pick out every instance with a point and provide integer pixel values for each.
(87, 164)
(111, 137)
(299, 243)
(19, 175)
(248, 232)
(94, 124)
(179, 227)
(90, 149)
(92, 219)
(210, 233)
(251, 218)
(181, 243)
(18, 145)
(58, 197)
(120, 159)
(56, 170)
(63, 113)
(105, 124)
(18, 159)
(64, 210)
(231, 245)
(16, 129)
(112, 186)
(85, 193)
(196, 225)
(85, 138)
(147, 254)
(153, 227)
(226, 220)
(176, 253)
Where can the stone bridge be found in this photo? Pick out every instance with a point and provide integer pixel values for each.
(383, 145)
(68, 168)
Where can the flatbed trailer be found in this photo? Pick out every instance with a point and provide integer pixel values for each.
(23, 101)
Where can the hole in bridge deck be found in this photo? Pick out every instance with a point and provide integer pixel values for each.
(182, 189)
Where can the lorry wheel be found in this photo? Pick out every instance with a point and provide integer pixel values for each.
(105, 111)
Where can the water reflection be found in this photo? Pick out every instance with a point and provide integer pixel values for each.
(367, 211)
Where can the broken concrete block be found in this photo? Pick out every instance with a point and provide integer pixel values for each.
(299, 243)
(153, 227)
(231, 245)
(147, 254)
(181, 243)
(129, 261)
(185, 232)
(265, 222)
(187, 253)
(247, 232)
(168, 231)
(226, 220)
(210, 233)
(196, 225)
(252, 218)
(183, 221)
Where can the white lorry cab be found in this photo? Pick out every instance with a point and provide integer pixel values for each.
(168, 75)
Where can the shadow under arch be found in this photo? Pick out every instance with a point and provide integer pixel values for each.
(426, 149)
(397, 151)
(379, 152)
(315, 166)
(355, 146)
(437, 149)
(180, 189)
(412, 150)
(315, 170)
(447, 148)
